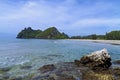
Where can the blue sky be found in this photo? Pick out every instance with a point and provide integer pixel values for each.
(74, 17)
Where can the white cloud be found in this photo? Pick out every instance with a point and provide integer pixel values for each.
(96, 22)
(67, 14)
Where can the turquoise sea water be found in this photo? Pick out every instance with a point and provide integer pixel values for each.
(38, 52)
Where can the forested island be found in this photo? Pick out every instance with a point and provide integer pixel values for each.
(50, 33)
(53, 33)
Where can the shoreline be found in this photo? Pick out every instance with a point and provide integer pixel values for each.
(113, 42)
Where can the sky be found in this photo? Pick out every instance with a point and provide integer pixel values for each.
(74, 17)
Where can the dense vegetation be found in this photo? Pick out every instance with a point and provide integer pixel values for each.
(113, 35)
(50, 33)
(28, 33)
(93, 36)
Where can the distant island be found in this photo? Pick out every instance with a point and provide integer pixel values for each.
(50, 33)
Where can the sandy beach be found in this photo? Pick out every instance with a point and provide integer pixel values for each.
(113, 42)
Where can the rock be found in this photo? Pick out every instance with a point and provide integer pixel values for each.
(97, 60)
(25, 67)
(69, 71)
(6, 69)
(90, 75)
(116, 72)
(17, 78)
(78, 63)
(38, 77)
(47, 68)
(4, 76)
(66, 78)
(51, 78)
(117, 62)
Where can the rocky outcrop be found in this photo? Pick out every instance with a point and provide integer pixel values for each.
(96, 60)
(69, 71)
(60, 71)
(46, 68)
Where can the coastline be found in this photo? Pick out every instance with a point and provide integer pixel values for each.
(113, 42)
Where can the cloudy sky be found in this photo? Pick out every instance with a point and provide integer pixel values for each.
(74, 17)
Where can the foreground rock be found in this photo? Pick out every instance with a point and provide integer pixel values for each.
(96, 60)
(60, 71)
(47, 68)
(69, 71)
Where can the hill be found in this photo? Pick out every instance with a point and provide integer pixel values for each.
(50, 33)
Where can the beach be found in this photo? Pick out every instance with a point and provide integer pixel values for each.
(113, 42)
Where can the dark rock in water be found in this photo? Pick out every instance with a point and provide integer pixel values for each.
(97, 60)
(60, 71)
(4, 76)
(38, 77)
(66, 78)
(51, 78)
(46, 68)
(117, 62)
(55, 55)
(16, 78)
(6, 69)
(25, 67)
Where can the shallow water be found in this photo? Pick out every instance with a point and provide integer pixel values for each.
(38, 52)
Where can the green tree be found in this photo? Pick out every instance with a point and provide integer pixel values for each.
(113, 35)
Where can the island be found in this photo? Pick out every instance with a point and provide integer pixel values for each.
(49, 33)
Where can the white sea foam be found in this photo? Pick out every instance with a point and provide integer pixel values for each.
(21, 63)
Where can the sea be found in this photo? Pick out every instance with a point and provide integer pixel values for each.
(38, 52)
